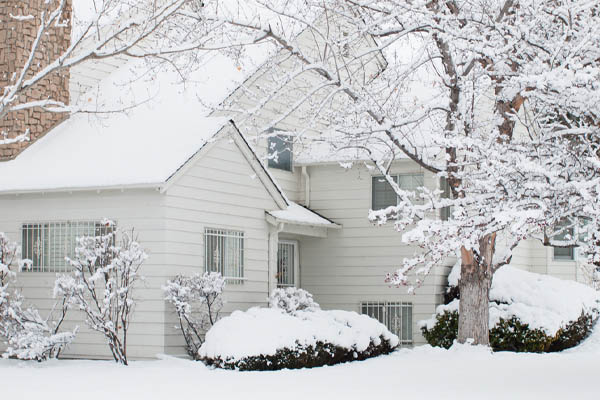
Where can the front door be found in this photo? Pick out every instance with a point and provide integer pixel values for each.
(287, 263)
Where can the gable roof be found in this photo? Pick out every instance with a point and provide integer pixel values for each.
(144, 146)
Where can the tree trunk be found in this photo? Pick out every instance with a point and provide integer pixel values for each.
(475, 282)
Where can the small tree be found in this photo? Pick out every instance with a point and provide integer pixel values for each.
(102, 282)
(204, 291)
(29, 336)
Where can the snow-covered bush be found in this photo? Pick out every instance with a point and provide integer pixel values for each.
(101, 284)
(528, 312)
(28, 335)
(292, 299)
(271, 339)
(198, 301)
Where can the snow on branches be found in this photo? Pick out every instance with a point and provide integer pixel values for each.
(29, 336)
(105, 271)
(198, 301)
(499, 98)
(292, 299)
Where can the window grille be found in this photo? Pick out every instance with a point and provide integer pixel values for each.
(286, 268)
(47, 244)
(395, 315)
(224, 253)
(383, 195)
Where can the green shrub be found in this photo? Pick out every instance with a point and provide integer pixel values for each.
(444, 331)
(513, 335)
(574, 332)
(302, 357)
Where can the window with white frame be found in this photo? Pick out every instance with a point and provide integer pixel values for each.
(395, 315)
(47, 244)
(446, 212)
(383, 195)
(280, 149)
(287, 269)
(224, 253)
(564, 253)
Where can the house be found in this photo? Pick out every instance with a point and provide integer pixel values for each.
(202, 196)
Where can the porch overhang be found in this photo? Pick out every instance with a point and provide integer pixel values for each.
(300, 220)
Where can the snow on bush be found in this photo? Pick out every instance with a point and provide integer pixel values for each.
(292, 299)
(270, 338)
(101, 284)
(29, 336)
(198, 301)
(547, 311)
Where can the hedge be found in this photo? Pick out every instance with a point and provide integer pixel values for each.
(512, 334)
(303, 357)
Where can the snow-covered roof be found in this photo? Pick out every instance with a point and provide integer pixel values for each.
(300, 215)
(143, 146)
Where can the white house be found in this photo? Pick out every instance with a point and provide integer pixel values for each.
(202, 197)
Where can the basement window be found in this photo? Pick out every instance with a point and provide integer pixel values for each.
(395, 315)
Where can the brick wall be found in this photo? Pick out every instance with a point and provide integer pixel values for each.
(16, 39)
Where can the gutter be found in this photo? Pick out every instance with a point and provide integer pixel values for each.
(156, 186)
(306, 186)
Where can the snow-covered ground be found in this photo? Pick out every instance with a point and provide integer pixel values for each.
(420, 373)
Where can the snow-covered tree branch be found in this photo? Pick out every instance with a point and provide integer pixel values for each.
(497, 97)
(28, 335)
(105, 272)
(198, 301)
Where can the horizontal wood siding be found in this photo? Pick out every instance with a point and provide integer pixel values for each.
(221, 190)
(139, 209)
(349, 266)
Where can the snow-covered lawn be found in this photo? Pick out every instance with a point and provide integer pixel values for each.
(421, 373)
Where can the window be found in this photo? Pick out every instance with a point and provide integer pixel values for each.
(224, 253)
(47, 244)
(280, 152)
(383, 195)
(564, 253)
(446, 212)
(395, 315)
(286, 264)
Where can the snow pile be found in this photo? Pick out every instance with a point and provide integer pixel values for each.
(264, 331)
(541, 301)
(292, 299)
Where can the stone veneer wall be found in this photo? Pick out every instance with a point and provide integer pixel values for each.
(16, 40)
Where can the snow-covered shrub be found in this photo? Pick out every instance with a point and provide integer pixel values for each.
(198, 301)
(444, 331)
(271, 339)
(101, 284)
(28, 335)
(292, 299)
(528, 312)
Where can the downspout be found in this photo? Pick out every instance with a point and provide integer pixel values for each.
(306, 186)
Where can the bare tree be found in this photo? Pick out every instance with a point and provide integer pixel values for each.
(105, 273)
(499, 97)
(198, 302)
(47, 42)
(29, 336)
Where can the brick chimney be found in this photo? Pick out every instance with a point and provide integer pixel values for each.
(16, 40)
